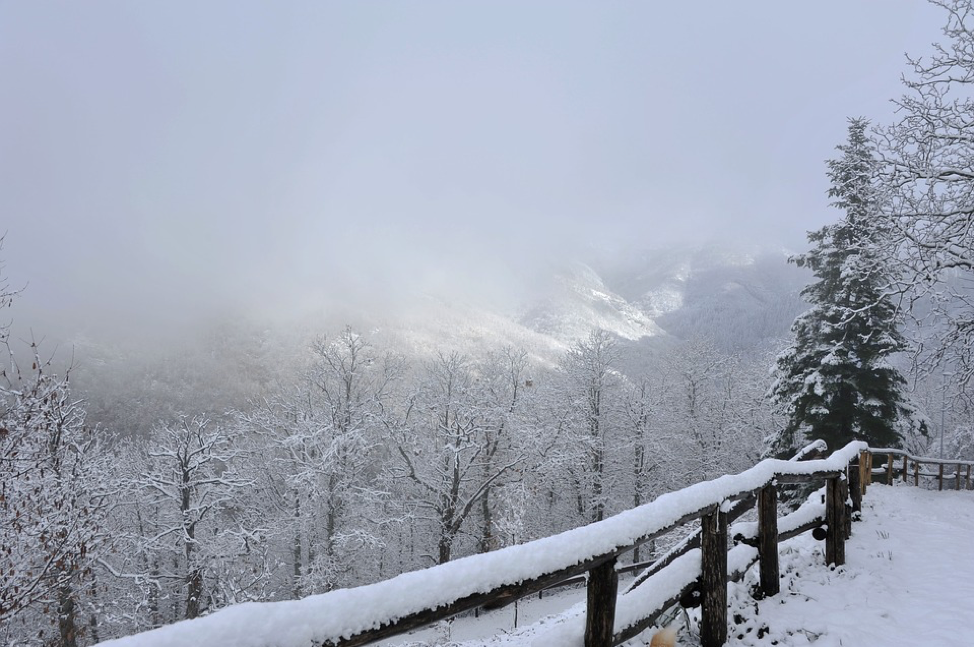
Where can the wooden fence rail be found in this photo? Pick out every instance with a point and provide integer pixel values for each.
(961, 469)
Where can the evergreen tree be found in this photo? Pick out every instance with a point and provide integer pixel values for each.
(836, 382)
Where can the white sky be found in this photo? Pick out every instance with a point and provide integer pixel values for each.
(158, 157)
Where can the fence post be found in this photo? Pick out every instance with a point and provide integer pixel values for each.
(834, 519)
(889, 469)
(940, 478)
(967, 480)
(713, 544)
(863, 471)
(768, 539)
(957, 480)
(600, 611)
(916, 473)
(906, 472)
(855, 483)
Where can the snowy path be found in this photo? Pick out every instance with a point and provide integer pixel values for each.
(908, 579)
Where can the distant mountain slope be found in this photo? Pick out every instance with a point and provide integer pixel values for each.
(736, 298)
(581, 301)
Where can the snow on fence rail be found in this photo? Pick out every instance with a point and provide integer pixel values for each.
(701, 563)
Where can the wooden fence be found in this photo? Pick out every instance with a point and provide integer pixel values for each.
(910, 467)
(758, 487)
(694, 572)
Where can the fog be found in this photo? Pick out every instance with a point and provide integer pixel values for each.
(164, 162)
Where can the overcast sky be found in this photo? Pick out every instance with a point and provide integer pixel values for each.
(159, 157)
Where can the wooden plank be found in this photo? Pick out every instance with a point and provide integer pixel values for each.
(600, 610)
(834, 518)
(768, 540)
(957, 479)
(940, 478)
(889, 469)
(713, 543)
(787, 479)
(905, 471)
(916, 473)
(967, 481)
(810, 525)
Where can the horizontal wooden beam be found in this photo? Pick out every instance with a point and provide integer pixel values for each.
(811, 477)
(511, 591)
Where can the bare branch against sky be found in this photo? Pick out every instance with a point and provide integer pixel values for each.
(160, 157)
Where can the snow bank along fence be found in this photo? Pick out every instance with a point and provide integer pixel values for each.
(911, 467)
(693, 572)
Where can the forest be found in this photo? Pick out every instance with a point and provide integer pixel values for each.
(140, 490)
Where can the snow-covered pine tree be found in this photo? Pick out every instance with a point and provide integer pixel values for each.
(836, 381)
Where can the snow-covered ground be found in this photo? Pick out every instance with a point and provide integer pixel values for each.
(908, 580)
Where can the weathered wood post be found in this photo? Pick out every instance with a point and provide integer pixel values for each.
(768, 539)
(906, 472)
(846, 510)
(967, 480)
(940, 478)
(713, 545)
(889, 469)
(957, 479)
(863, 470)
(855, 483)
(916, 473)
(600, 612)
(834, 519)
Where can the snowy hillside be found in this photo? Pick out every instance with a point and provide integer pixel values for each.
(737, 297)
(581, 301)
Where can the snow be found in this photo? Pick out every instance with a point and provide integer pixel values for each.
(347, 612)
(906, 581)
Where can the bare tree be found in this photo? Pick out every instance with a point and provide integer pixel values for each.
(49, 512)
(192, 479)
(928, 170)
(448, 449)
(592, 389)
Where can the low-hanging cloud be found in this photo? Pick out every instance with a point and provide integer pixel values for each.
(161, 163)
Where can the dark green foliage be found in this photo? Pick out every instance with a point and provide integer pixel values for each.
(836, 382)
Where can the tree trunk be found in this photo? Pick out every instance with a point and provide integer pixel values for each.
(445, 548)
(194, 593)
(67, 627)
(296, 549)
